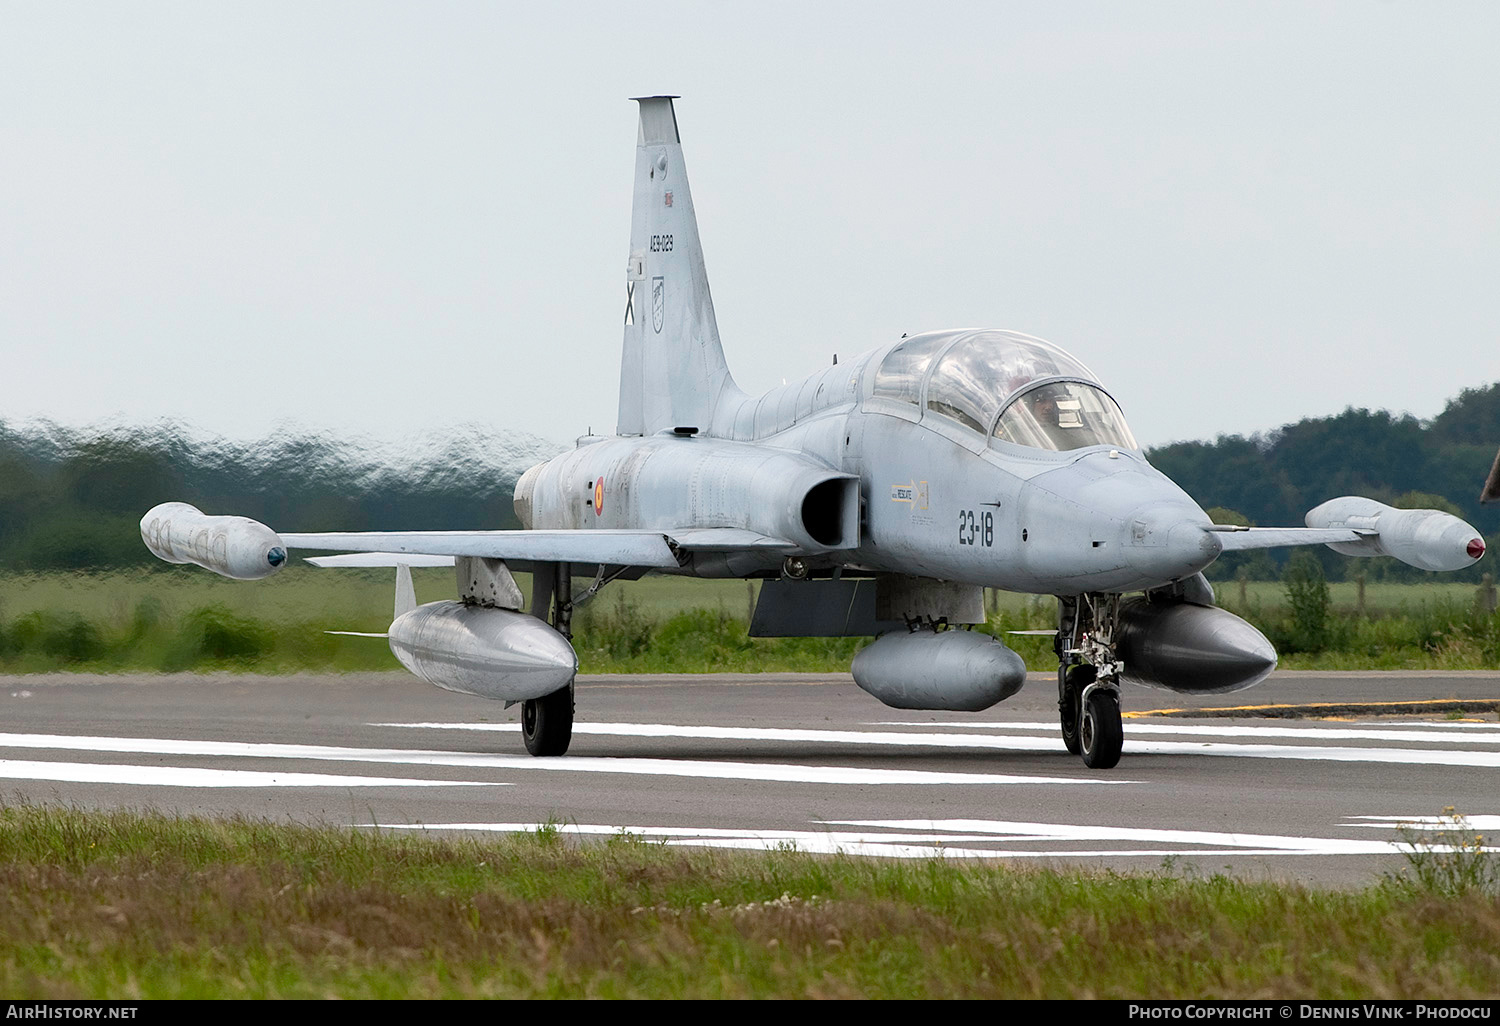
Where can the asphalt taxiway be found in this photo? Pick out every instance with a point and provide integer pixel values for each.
(754, 761)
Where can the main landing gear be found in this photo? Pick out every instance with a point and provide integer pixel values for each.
(547, 722)
(1088, 678)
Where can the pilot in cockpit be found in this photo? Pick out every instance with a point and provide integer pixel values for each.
(1044, 407)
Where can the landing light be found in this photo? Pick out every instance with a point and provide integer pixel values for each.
(1476, 548)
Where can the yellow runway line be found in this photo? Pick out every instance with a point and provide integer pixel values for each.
(1332, 709)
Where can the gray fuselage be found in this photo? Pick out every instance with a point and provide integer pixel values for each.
(936, 497)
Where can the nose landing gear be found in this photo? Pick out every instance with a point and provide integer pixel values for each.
(1100, 734)
(1071, 680)
(1088, 679)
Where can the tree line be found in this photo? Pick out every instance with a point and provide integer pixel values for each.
(72, 500)
(1275, 478)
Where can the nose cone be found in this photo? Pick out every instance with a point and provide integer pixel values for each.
(1109, 521)
(1430, 539)
(1169, 542)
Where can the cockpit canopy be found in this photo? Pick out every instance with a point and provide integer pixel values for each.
(1005, 385)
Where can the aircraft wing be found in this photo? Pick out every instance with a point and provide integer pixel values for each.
(1427, 539)
(385, 559)
(728, 539)
(1279, 537)
(608, 547)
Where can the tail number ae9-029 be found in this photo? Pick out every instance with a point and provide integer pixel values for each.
(976, 529)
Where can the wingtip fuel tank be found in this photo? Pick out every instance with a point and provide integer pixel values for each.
(1428, 539)
(235, 547)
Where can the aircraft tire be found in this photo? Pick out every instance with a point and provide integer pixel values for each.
(547, 722)
(1100, 733)
(1074, 680)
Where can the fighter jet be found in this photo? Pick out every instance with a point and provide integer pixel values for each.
(877, 496)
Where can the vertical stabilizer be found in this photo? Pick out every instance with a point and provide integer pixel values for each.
(672, 372)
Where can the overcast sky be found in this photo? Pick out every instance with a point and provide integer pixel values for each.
(391, 219)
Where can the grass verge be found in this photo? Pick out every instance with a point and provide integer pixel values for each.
(189, 620)
(122, 905)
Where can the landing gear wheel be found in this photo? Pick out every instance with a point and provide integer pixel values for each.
(1070, 690)
(1100, 733)
(547, 722)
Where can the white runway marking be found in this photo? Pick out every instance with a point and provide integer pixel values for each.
(888, 845)
(192, 776)
(1318, 753)
(1361, 733)
(687, 832)
(1025, 743)
(956, 839)
(754, 840)
(1447, 725)
(1068, 832)
(780, 772)
(816, 736)
(818, 845)
(1430, 822)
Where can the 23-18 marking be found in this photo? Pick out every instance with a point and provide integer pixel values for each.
(976, 529)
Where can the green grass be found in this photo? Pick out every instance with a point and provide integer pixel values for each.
(1381, 598)
(360, 597)
(355, 597)
(186, 619)
(122, 905)
(190, 620)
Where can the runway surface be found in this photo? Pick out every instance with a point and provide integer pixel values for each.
(755, 761)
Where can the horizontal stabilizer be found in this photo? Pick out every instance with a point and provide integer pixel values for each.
(360, 634)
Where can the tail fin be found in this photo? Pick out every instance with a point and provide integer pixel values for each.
(672, 373)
